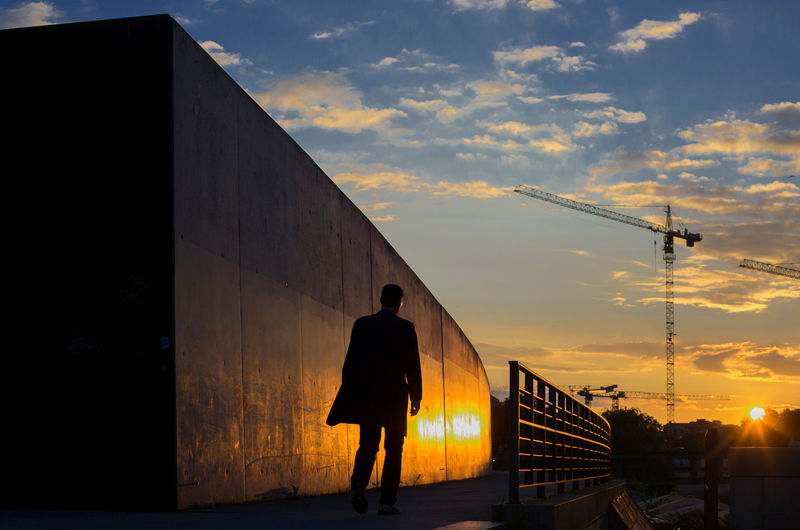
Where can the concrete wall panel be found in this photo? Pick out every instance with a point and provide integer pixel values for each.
(466, 397)
(424, 453)
(356, 264)
(210, 457)
(205, 183)
(325, 460)
(273, 422)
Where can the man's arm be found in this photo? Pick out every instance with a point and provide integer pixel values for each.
(413, 372)
(352, 361)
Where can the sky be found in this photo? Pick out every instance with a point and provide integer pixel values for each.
(428, 113)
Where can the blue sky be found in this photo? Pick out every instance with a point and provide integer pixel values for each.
(427, 113)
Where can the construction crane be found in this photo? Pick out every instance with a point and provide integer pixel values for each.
(770, 268)
(669, 259)
(610, 392)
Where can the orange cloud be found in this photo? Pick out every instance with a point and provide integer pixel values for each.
(323, 99)
(635, 39)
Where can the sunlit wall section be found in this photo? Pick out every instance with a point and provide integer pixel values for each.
(467, 405)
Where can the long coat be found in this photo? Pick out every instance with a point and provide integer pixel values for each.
(381, 371)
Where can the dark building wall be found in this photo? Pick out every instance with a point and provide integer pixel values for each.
(248, 260)
(86, 164)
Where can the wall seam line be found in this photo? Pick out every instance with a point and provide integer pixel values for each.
(444, 399)
(241, 305)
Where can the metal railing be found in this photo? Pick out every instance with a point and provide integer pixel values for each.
(555, 439)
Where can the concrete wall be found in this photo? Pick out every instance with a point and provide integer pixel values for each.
(190, 278)
(273, 263)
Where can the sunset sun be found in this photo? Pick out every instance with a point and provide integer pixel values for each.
(757, 413)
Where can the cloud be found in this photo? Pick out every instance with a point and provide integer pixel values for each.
(490, 141)
(745, 140)
(655, 160)
(556, 142)
(488, 5)
(391, 180)
(755, 220)
(430, 105)
(635, 39)
(541, 5)
(513, 128)
(398, 181)
(591, 97)
(374, 207)
(776, 189)
(384, 219)
(552, 55)
(29, 14)
(760, 149)
(415, 61)
(786, 107)
(341, 31)
(584, 130)
(479, 4)
(183, 20)
(556, 145)
(477, 189)
(223, 58)
(748, 361)
(618, 115)
(323, 99)
(484, 93)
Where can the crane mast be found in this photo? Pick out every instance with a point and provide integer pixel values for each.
(770, 268)
(669, 259)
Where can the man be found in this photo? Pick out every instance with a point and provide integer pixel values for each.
(380, 372)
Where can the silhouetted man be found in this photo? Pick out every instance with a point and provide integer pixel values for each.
(380, 372)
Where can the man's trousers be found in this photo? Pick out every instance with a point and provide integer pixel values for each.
(369, 439)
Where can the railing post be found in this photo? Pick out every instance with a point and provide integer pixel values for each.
(541, 389)
(513, 464)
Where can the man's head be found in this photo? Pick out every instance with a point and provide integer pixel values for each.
(392, 296)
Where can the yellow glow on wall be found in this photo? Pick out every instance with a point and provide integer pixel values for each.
(430, 430)
(464, 426)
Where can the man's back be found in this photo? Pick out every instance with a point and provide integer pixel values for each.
(380, 372)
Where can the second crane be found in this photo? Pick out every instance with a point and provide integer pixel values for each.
(669, 258)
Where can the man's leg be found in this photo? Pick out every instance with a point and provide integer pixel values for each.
(390, 480)
(368, 439)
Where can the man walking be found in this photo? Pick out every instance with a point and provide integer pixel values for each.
(380, 372)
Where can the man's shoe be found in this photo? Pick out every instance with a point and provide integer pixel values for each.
(388, 509)
(359, 501)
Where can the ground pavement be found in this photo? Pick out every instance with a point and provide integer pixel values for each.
(423, 507)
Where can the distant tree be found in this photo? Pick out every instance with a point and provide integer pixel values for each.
(636, 444)
(501, 420)
(633, 431)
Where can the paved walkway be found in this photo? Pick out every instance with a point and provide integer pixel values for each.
(424, 507)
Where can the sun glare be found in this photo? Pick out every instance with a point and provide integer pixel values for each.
(756, 413)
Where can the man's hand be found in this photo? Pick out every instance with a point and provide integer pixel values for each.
(414, 408)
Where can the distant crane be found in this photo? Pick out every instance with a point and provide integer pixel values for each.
(610, 392)
(669, 258)
(770, 268)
